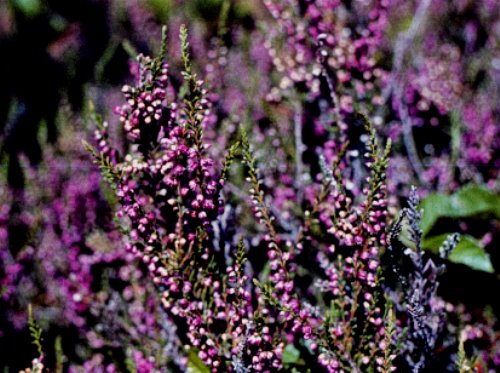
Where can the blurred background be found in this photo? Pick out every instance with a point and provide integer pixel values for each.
(58, 55)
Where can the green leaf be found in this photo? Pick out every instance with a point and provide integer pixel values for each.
(436, 205)
(471, 200)
(468, 252)
(195, 365)
(474, 200)
(290, 355)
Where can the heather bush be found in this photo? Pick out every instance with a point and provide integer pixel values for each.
(169, 191)
(250, 204)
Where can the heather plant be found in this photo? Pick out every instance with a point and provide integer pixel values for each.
(168, 154)
(171, 208)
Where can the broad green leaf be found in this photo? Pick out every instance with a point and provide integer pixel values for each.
(195, 365)
(436, 205)
(468, 252)
(469, 201)
(473, 200)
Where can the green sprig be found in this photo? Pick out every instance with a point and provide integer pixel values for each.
(35, 331)
(108, 170)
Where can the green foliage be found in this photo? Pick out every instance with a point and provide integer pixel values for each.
(391, 336)
(241, 257)
(455, 134)
(330, 175)
(228, 160)
(469, 252)
(35, 331)
(163, 48)
(256, 191)
(130, 365)
(60, 357)
(193, 97)
(379, 157)
(213, 11)
(224, 13)
(400, 25)
(186, 60)
(469, 201)
(109, 173)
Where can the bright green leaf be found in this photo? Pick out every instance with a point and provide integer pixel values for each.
(473, 200)
(436, 205)
(468, 252)
(469, 201)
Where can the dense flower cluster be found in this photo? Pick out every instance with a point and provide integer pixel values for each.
(167, 154)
